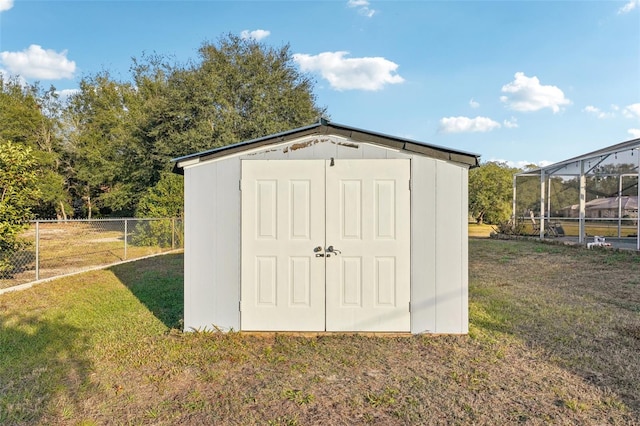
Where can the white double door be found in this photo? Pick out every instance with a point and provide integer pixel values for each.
(325, 245)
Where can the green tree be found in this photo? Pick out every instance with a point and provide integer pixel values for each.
(120, 136)
(164, 200)
(490, 192)
(30, 117)
(98, 136)
(237, 90)
(18, 193)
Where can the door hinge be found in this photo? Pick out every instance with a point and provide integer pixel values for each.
(240, 306)
(409, 184)
(409, 306)
(240, 185)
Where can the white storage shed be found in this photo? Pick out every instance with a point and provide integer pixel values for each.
(326, 228)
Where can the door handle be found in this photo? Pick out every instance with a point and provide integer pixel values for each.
(330, 249)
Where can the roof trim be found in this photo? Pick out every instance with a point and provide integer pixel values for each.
(619, 147)
(324, 127)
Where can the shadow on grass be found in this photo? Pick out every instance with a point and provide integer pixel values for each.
(158, 283)
(42, 360)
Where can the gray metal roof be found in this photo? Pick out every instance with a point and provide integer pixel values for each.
(324, 127)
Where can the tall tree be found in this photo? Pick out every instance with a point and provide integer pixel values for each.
(490, 192)
(120, 136)
(97, 142)
(30, 117)
(238, 90)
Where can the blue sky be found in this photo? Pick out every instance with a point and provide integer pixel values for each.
(516, 81)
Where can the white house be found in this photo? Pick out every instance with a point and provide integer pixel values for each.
(326, 228)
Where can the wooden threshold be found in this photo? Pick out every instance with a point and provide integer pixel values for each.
(270, 334)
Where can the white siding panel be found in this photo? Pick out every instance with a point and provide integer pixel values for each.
(373, 152)
(212, 248)
(465, 250)
(423, 245)
(450, 276)
(200, 250)
(227, 240)
(348, 150)
(325, 149)
(391, 154)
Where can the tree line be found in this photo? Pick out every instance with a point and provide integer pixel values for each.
(105, 150)
(491, 190)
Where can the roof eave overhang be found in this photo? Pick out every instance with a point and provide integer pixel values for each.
(324, 128)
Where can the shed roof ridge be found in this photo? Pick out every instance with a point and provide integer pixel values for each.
(330, 127)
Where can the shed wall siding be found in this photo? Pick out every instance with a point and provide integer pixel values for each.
(423, 245)
(452, 243)
(212, 246)
(438, 234)
(439, 247)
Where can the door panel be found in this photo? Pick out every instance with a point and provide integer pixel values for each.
(368, 223)
(361, 208)
(283, 221)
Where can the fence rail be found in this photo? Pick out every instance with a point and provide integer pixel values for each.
(58, 247)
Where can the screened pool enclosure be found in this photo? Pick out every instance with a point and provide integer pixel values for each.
(594, 194)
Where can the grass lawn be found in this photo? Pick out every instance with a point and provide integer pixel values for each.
(554, 339)
(480, 231)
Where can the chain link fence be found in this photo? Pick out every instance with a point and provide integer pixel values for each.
(57, 247)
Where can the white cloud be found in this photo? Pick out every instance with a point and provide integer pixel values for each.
(511, 124)
(5, 5)
(256, 35)
(628, 7)
(527, 94)
(362, 6)
(65, 94)
(350, 73)
(523, 164)
(7, 75)
(466, 124)
(632, 111)
(473, 103)
(634, 132)
(36, 62)
(598, 112)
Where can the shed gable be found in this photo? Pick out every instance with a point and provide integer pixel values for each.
(324, 131)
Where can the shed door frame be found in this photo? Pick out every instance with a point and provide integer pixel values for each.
(293, 213)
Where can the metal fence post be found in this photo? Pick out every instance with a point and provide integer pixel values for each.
(173, 233)
(125, 239)
(37, 250)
